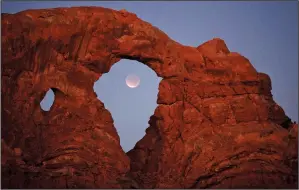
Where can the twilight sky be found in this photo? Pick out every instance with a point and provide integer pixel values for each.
(264, 32)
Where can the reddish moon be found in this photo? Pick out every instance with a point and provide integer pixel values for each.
(132, 81)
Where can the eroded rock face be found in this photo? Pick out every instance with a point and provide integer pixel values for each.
(216, 125)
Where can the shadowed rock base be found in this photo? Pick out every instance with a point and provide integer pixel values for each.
(216, 124)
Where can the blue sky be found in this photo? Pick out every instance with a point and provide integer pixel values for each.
(264, 32)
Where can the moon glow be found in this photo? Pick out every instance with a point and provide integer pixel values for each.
(132, 81)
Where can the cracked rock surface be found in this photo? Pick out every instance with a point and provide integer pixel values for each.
(216, 124)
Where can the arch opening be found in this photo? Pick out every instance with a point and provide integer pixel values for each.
(130, 107)
(48, 100)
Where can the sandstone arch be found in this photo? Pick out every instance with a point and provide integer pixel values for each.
(215, 129)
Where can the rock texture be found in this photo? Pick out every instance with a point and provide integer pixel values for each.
(216, 124)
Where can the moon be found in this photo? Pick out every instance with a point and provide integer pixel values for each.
(132, 81)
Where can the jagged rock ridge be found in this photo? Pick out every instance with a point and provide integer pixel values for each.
(216, 124)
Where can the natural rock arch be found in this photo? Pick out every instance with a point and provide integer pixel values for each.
(215, 128)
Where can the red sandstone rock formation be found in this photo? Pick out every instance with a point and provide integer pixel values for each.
(216, 125)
